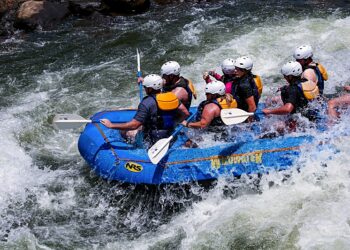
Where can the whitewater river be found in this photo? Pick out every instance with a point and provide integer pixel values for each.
(49, 198)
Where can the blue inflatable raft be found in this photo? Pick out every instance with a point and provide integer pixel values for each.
(112, 158)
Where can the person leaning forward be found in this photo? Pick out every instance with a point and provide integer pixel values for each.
(157, 112)
(208, 113)
(297, 94)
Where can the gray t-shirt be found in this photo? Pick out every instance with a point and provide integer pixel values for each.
(147, 110)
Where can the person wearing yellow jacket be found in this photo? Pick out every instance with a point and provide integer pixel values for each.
(313, 71)
(208, 113)
(157, 114)
(183, 88)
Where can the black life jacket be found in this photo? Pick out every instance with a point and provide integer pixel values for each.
(311, 113)
(183, 83)
(285, 94)
(216, 121)
(249, 78)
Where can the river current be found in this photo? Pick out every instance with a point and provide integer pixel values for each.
(49, 197)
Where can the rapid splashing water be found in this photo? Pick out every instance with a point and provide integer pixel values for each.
(50, 199)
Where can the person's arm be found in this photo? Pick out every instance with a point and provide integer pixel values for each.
(216, 75)
(183, 112)
(131, 125)
(289, 104)
(139, 118)
(206, 77)
(181, 94)
(251, 104)
(228, 87)
(139, 80)
(210, 111)
(283, 110)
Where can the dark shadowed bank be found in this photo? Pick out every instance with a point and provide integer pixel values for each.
(29, 15)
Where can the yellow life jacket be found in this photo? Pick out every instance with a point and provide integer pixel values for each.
(192, 88)
(258, 83)
(224, 105)
(310, 89)
(167, 101)
(323, 71)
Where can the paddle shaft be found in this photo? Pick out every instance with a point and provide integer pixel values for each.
(180, 126)
(252, 113)
(160, 148)
(81, 122)
(176, 131)
(139, 74)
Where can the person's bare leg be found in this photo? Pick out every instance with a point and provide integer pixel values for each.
(337, 102)
(130, 134)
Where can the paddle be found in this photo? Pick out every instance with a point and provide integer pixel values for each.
(139, 74)
(69, 121)
(160, 148)
(235, 116)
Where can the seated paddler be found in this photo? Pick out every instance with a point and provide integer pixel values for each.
(313, 71)
(208, 113)
(182, 87)
(247, 87)
(157, 114)
(296, 96)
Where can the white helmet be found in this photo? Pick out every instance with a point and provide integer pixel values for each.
(170, 68)
(303, 52)
(228, 66)
(215, 87)
(153, 81)
(291, 68)
(244, 62)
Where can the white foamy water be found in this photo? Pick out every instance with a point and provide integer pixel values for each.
(272, 46)
(49, 199)
(21, 178)
(309, 209)
(17, 170)
(306, 209)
